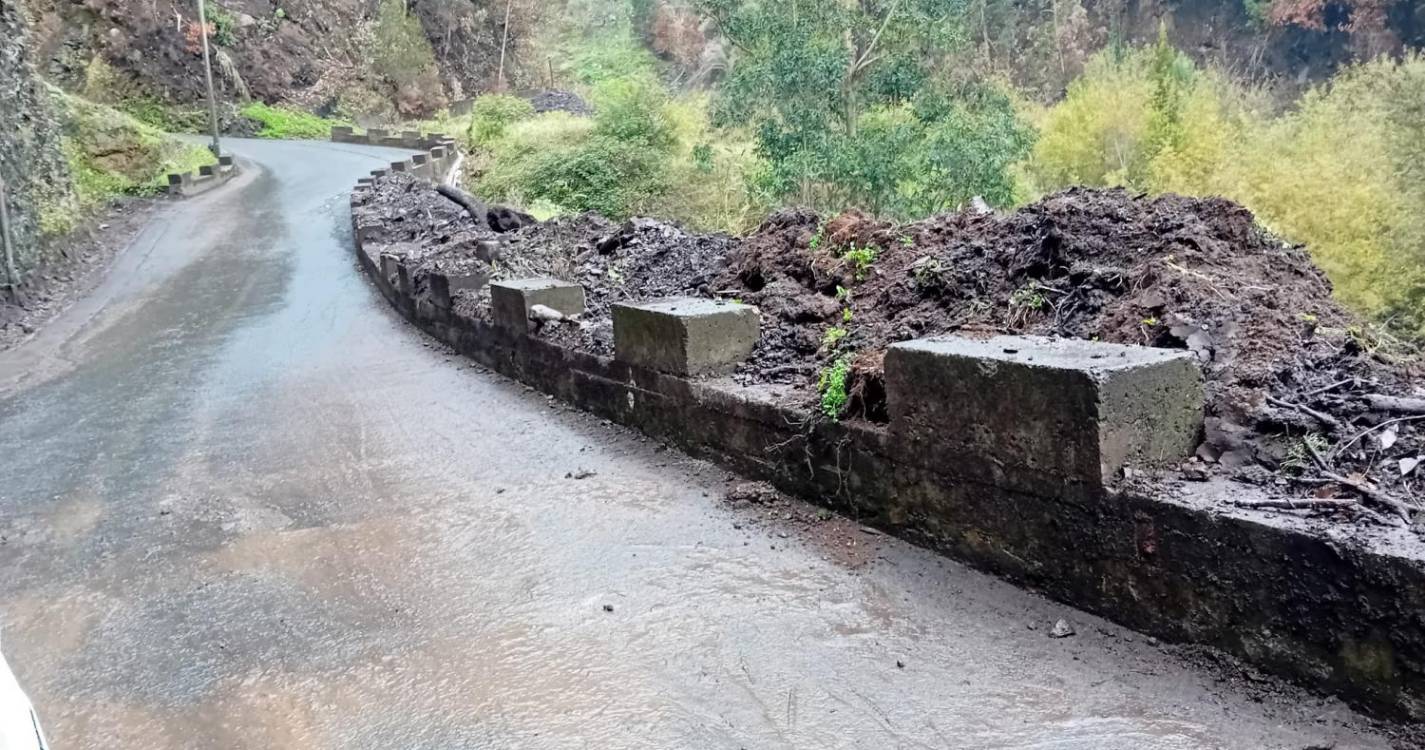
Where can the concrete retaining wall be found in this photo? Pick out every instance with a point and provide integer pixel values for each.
(437, 152)
(188, 184)
(1337, 609)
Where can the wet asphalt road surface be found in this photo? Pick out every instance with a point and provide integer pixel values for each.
(242, 505)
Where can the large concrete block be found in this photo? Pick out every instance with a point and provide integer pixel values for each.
(343, 134)
(1049, 416)
(450, 276)
(400, 166)
(685, 336)
(510, 301)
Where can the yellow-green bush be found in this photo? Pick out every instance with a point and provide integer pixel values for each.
(493, 113)
(1340, 172)
(642, 153)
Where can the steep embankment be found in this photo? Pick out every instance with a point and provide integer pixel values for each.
(31, 162)
(352, 56)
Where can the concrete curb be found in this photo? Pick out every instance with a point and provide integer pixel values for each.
(206, 178)
(1341, 610)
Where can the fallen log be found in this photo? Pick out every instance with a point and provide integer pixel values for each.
(472, 205)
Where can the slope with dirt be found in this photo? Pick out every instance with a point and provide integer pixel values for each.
(1301, 395)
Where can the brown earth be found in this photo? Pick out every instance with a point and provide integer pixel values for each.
(315, 54)
(1293, 380)
(75, 267)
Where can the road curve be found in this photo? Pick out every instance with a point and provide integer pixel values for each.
(243, 506)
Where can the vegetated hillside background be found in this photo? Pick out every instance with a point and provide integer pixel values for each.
(713, 112)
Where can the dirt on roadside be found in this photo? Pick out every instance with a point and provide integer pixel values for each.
(79, 260)
(1302, 396)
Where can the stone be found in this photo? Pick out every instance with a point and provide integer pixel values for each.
(391, 267)
(1054, 417)
(510, 301)
(685, 335)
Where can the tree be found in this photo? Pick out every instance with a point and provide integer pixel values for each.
(853, 103)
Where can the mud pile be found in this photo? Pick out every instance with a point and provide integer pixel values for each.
(1300, 394)
(1298, 390)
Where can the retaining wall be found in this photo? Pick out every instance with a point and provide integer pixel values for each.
(206, 178)
(1340, 609)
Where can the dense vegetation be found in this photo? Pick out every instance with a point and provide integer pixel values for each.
(879, 106)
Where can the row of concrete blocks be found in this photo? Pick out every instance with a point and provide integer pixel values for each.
(1032, 413)
(409, 139)
(431, 165)
(206, 178)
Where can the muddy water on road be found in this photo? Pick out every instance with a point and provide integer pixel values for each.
(243, 506)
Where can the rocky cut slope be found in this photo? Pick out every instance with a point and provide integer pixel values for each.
(357, 56)
(31, 163)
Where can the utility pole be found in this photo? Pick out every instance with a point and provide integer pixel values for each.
(216, 146)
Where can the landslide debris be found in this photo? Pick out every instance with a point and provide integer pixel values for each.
(1300, 394)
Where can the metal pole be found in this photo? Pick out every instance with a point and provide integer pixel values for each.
(216, 146)
(12, 277)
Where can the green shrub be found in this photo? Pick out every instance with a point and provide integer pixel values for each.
(492, 114)
(612, 57)
(286, 123)
(224, 26)
(832, 385)
(633, 110)
(614, 178)
(402, 55)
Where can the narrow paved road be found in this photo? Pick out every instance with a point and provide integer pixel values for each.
(243, 506)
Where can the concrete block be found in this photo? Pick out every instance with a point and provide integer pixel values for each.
(685, 336)
(225, 161)
(390, 267)
(342, 134)
(207, 170)
(1048, 416)
(510, 301)
(443, 284)
(419, 159)
(400, 166)
(437, 152)
(379, 173)
(377, 134)
(365, 181)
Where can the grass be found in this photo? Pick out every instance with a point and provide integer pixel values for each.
(282, 123)
(110, 154)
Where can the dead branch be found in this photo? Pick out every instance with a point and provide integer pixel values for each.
(1358, 436)
(1329, 388)
(1374, 495)
(1298, 503)
(1322, 417)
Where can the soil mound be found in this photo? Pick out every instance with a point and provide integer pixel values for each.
(1301, 395)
